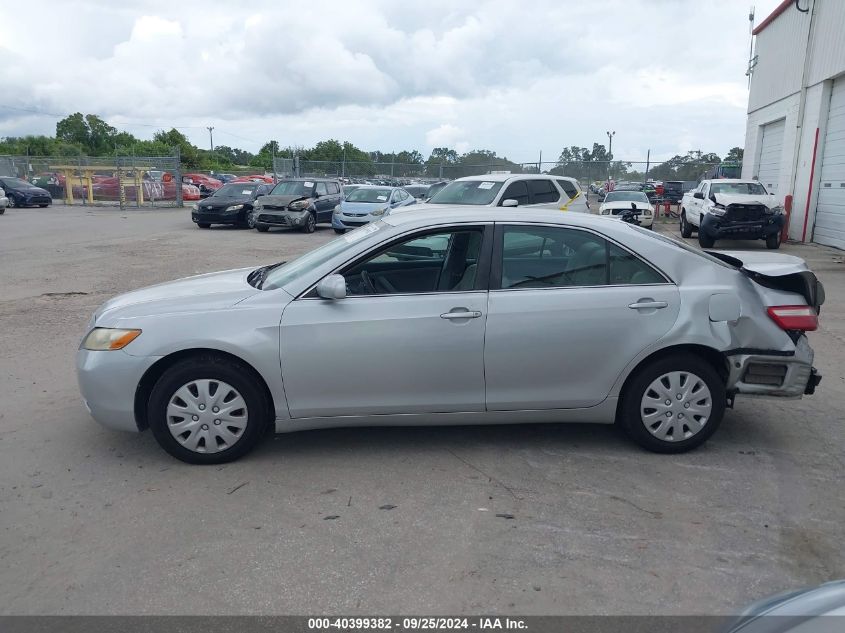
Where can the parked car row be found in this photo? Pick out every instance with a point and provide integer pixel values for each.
(302, 203)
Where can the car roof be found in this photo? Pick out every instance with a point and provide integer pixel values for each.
(308, 179)
(732, 180)
(505, 177)
(426, 214)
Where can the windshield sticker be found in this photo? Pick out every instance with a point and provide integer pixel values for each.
(308, 184)
(359, 234)
(381, 197)
(246, 192)
(486, 185)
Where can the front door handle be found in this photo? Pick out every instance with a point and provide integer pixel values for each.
(648, 304)
(457, 313)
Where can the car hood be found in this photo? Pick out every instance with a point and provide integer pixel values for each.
(280, 201)
(741, 198)
(362, 207)
(33, 191)
(212, 291)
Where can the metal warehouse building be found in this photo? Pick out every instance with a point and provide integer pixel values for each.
(795, 135)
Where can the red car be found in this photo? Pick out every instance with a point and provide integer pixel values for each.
(109, 189)
(206, 184)
(255, 178)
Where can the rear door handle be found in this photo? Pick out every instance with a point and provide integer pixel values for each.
(648, 305)
(461, 314)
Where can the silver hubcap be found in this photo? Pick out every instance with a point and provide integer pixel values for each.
(207, 415)
(676, 406)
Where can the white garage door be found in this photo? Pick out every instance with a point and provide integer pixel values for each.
(771, 151)
(830, 210)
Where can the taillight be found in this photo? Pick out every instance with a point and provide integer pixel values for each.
(803, 318)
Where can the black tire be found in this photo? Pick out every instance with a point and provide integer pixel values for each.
(3, 210)
(340, 231)
(43, 206)
(310, 224)
(250, 219)
(686, 227)
(236, 374)
(630, 417)
(773, 241)
(12, 203)
(262, 228)
(705, 241)
(204, 225)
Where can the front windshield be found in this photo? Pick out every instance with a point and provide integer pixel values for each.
(293, 188)
(626, 196)
(367, 194)
(237, 190)
(283, 275)
(743, 188)
(467, 192)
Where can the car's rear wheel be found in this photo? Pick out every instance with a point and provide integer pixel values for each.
(773, 240)
(208, 410)
(310, 224)
(705, 241)
(686, 227)
(673, 404)
(43, 206)
(204, 225)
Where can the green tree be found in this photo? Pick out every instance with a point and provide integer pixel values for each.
(735, 155)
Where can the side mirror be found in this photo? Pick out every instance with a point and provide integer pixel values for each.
(510, 202)
(316, 195)
(698, 195)
(332, 287)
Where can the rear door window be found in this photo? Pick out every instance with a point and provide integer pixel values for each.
(543, 191)
(569, 189)
(516, 191)
(321, 189)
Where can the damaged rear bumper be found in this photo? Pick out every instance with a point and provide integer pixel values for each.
(773, 373)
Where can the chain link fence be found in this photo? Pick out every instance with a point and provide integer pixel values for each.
(124, 181)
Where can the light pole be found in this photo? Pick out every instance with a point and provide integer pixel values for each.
(211, 140)
(610, 136)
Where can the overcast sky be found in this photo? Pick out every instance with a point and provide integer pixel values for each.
(513, 76)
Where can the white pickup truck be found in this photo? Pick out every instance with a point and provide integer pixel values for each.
(731, 208)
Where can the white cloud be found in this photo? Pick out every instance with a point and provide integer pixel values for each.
(387, 75)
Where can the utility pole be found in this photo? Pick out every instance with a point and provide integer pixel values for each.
(211, 139)
(610, 136)
(540, 163)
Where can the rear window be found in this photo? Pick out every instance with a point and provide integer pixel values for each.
(679, 244)
(570, 189)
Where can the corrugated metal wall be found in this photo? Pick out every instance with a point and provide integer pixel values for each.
(780, 49)
(828, 47)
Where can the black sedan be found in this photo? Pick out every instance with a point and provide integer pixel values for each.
(22, 194)
(231, 204)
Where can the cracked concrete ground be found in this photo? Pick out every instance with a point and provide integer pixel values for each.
(98, 522)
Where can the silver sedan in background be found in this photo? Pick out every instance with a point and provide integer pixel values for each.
(456, 316)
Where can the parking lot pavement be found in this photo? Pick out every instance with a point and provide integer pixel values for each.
(569, 519)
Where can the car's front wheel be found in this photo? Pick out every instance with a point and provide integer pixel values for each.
(250, 219)
(340, 231)
(773, 240)
(310, 224)
(208, 410)
(673, 404)
(705, 241)
(204, 225)
(686, 227)
(262, 228)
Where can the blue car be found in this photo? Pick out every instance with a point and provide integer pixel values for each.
(367, 203)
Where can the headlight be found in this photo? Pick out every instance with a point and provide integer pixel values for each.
(194, 207)
(775, 210)
(107, 338)
(379, 212)
(605, 211)
(298, 205)
(337, 210)
(235, 207)
(718, 209)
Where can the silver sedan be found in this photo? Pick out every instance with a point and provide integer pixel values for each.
(456, 316)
